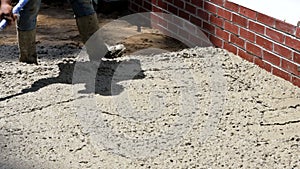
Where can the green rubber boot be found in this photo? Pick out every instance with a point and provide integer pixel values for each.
(87, 26)
(96, 47)
(27, 47)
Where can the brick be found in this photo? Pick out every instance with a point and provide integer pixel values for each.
(155, 9)
(239, 20)
(222, 34)
(210, 7)
(198, 3)
(178, 21)
(172, 9)
(196, 21)
(280, 73)
(163, 30)
(147, 6)
(283, 51)
(296, 57)
(265, 19)
(232, 6)
(275, 60)
(200, 32)
(172, 28)
(184, 15)
(285, 27)
(154, 18)
(256, 27)
(216, 21)
(256, 50)
(195, 40)
(293, 43)
(209, 27)
(162, 4)
(190, 8)
(248, 12)
(296, 81)
(297, 32)
(203, 14)
(183, 34)
(275, 35)
(224, 13)
(290, 67)
(246, 34)
(245, 55)
(162, 22)
(206, 33)
(178, 3)
(230, 48)
(237, 41)
(262, 64)
(231, 27)
(216, 41)
(218, 2)
(189, 27)
(265, 43)
(141, 9)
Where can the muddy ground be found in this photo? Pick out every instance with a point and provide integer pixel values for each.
(191, 108)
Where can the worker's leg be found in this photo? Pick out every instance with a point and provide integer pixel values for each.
(86, 18)
(26, 27)
(87, 23)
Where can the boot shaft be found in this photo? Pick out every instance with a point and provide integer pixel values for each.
(27, 46)
(87, 26)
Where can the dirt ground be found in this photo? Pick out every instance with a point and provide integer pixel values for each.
(178, 108)
(57, 28)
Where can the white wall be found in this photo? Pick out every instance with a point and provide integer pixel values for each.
(288, 10)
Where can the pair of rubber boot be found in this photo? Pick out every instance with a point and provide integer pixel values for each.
(87, 26)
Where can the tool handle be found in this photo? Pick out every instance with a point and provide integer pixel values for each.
(15, 10)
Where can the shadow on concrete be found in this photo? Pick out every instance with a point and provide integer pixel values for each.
(105, 82)
(45, 51)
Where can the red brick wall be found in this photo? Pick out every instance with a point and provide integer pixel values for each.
(268, 42)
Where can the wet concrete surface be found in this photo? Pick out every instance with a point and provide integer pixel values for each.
(192, 108)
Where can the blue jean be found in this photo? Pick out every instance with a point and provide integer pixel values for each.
(28, 15)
